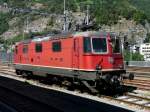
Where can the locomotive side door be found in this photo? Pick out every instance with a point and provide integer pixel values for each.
(75, 58)
(25, 54)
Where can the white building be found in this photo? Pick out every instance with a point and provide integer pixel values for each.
(145, 51)
(134, 48)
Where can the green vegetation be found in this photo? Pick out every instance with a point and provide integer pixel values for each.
(139, 17)
(147, 40)
(1, 40)
(3, 23)
(133, 56)
(105, 11)
(142, 5)
(110, 14)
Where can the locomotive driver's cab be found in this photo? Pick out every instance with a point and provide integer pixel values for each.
(106, 56)
(116, 43)
(99, 44)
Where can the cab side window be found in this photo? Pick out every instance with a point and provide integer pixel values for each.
(87, 45)
(38, 47)
(25, 49)
(56, 46)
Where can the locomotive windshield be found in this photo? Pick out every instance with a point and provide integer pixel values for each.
(99, 45)
(95, 45)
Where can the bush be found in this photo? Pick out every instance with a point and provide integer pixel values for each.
(133, 56)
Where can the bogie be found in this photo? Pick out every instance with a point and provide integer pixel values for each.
(18, 72)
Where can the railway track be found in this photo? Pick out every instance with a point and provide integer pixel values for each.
(133, 100)
(127, 98)
(143, 102)
(139, 83)
(140, 72)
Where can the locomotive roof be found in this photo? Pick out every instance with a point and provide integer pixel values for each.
(70, 35)
(64, 35)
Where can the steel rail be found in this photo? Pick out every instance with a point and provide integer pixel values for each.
(128, 102)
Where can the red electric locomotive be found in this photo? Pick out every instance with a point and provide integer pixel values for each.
(93, 58)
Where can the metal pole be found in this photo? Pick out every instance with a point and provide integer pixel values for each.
(122, 51)
(87, 17)
(130, 54)
(64, 6)
(64, 15)
(27, 25)
(23, 29)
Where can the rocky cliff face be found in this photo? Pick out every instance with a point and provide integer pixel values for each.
(34, 22)
(135, 33)
(40, 22)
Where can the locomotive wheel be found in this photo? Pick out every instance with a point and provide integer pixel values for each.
(131, 76)
(18, 72)
(28, 74)
(114, 81)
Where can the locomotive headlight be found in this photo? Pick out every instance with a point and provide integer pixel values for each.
(111, 60)
(121, 66)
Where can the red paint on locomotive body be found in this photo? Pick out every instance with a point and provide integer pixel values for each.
(85, 51)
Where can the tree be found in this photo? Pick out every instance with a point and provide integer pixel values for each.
(4, 26)
(139, 17)
(147, 39)
(1, 40)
